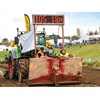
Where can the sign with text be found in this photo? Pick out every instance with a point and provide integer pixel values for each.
(48, 19)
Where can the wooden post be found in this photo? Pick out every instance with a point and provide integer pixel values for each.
(62, 36)
(35, 40)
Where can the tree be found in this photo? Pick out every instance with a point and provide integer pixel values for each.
(90, 33)
(67, 37)
(5, 41)
(78, 32)
(96, 33)
(75, 37)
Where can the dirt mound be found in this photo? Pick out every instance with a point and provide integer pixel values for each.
(4, 65)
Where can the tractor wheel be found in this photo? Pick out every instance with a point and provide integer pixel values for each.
(19, 76)
(23, 70)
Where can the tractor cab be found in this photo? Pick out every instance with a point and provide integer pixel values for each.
(40, 42)
(40, 39)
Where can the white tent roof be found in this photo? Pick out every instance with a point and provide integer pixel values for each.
(74, 41)
(79, 40)
(86, 38)
(3, 47)
(94, 36)
(65, 41)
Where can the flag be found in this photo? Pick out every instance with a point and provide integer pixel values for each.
(27, 41)
(27, 22)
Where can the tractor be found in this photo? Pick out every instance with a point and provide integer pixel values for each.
(19, 62)
(47, 70)
(50, 69)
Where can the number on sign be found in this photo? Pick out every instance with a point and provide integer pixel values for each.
(41, 19)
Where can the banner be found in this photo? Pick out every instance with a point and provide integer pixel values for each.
(27, 22)
(27, 41)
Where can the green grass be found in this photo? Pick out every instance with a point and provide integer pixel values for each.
(86, 51)
(3, 53)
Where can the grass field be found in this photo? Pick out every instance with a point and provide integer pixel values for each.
(85, 51)
(3, 53)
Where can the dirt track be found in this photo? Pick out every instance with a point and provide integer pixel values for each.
(14, 83)
(11, 83)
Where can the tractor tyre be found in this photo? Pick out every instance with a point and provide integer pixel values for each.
(23, 69)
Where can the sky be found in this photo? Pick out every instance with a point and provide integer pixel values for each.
(12, 16)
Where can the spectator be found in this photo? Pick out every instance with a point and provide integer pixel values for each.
(40, 53)
(63, 53)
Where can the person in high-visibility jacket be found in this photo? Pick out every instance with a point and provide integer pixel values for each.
(17, 51)
(40, 53)
(63, 53)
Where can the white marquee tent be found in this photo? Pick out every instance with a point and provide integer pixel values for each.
(3, 48)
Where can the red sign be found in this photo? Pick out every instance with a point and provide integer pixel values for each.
(48, 19)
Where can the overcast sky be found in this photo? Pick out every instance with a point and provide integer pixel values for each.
(12, 15)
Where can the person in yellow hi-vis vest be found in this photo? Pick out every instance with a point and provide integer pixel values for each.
(40, 53)
(63, 53)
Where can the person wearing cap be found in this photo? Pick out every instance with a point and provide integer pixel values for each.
(12, 44)
(63, 53)
(40, 53)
